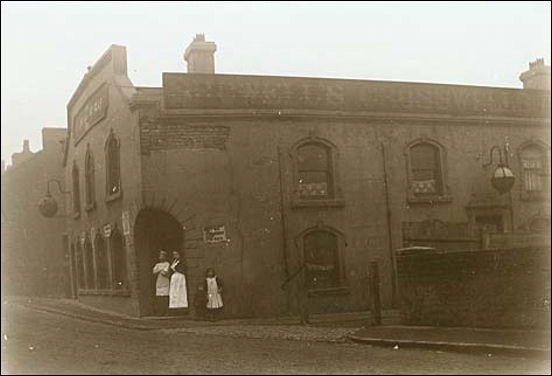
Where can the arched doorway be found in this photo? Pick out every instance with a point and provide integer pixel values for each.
(154, 230)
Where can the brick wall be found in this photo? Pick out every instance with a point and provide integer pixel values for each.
(499, 288)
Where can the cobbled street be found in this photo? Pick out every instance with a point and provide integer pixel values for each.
(37, 342)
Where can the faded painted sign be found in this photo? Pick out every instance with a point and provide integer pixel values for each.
(214, 234)
(94, 110)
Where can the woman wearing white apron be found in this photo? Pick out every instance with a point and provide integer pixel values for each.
(178, 295)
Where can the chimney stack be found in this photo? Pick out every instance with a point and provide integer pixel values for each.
(200, 55)
(537, 77)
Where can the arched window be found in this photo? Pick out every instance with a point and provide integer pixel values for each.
(102, 263)
(425, 165)
(89, 176)
(426, 171)
(76, 189)
(89, 265)
(533, 171)
(118, 254)
(113, 166)
(314, 171)
(321, 258)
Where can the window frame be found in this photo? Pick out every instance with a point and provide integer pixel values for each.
(439, 197)
(109, 196)
(336, 198)
(544, 149)
(342, 286)
(89, 185)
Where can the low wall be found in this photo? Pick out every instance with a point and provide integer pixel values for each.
(488, 288)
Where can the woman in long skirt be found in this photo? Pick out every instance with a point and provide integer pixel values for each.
(178, 295)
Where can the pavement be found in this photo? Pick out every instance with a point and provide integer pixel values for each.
(336, 328)
(512, 342)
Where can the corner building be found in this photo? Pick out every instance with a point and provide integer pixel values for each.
(257, 175)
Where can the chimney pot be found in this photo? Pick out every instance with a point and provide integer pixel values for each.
(200, 55)
(537, 77)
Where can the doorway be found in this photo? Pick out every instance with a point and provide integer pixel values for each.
(154, 230)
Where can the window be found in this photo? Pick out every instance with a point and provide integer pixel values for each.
(314, 171)
(321, 260)
(90, 193)
(426, 169)
(102, 266)
(76, 189)
(426, 177)
(533, 171)
(118, 253)
(113, 167)
(89, 265)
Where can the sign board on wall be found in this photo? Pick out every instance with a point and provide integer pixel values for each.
(214, 234)
(93, 110)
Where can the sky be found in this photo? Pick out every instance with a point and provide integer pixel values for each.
(46, 46)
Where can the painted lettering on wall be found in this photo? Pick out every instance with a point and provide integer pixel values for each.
(92, 112)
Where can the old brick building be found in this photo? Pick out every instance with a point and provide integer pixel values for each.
(33, 257)
(257, 175)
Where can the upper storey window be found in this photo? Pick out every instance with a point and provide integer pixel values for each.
(89, 174)
(426, 171)
(113, 167)
(76, 190)
(314, 171)
(533, 163)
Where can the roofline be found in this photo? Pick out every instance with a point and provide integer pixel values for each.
(359, 80)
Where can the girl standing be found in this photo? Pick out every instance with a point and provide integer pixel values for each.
(213, 290)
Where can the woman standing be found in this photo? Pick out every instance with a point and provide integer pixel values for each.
(161, 269)
(178, 295)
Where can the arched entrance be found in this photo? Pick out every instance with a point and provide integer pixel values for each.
(154, 230)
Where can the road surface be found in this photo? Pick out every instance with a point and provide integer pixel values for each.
(36, 342)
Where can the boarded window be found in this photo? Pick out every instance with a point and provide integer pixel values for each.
(314, 171)
(76, 189)
(321, 260)
(102, 266)
(113, 162)
(89, 180)
(532, 164)
(118, 253)
(425, 165)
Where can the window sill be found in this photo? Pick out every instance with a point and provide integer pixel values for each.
(430, 199)
(304, 203)
(104, 292)
(343, 290)
(90, 206)
(113, 196)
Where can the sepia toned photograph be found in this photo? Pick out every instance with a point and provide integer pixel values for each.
(275, 187)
